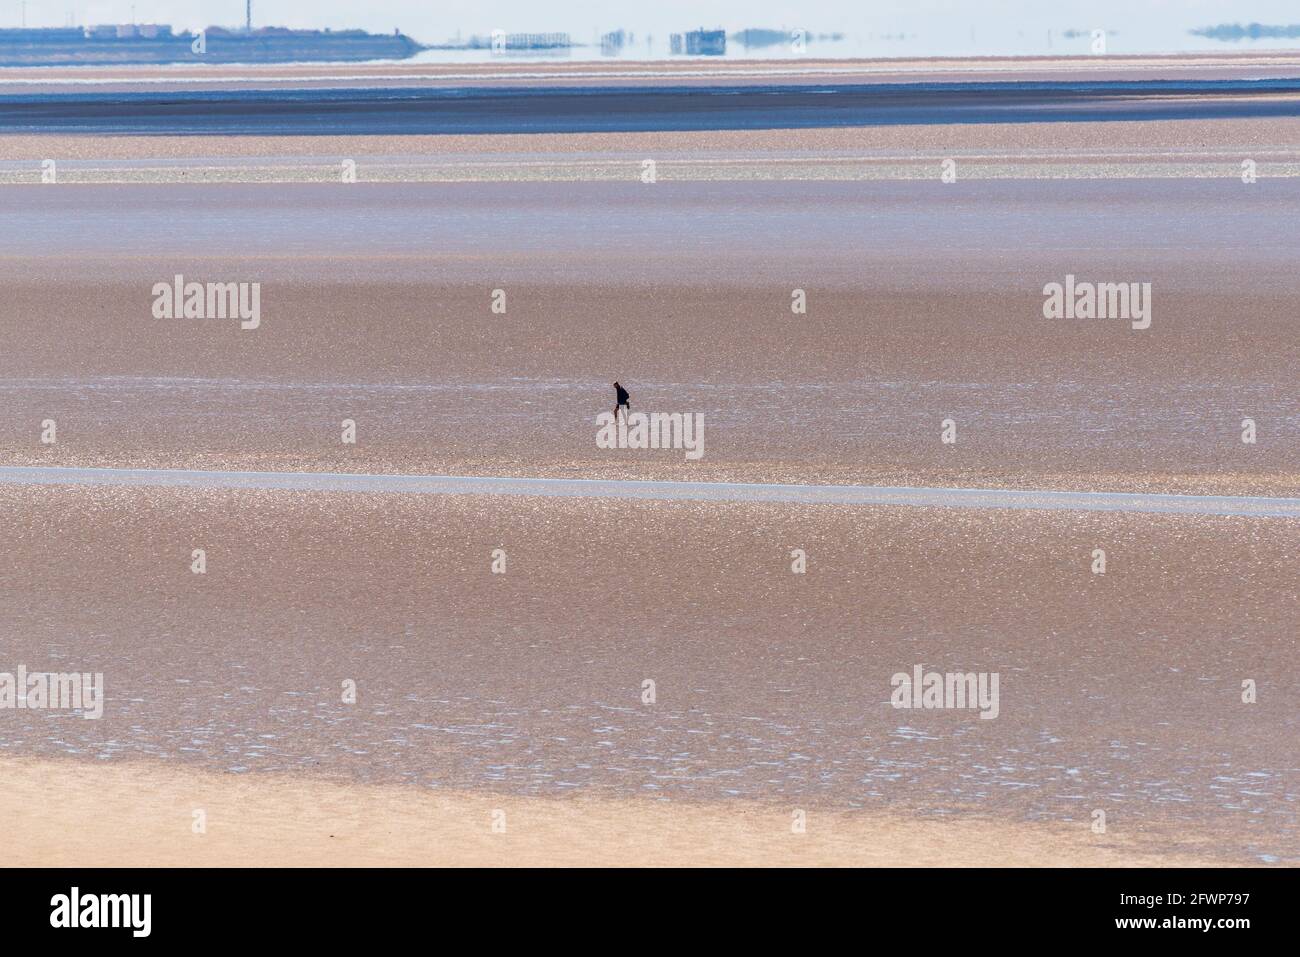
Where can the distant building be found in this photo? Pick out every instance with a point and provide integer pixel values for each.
(699, 43)
(611, 44)
(758, 37)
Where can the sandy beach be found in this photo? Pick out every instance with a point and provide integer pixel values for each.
(523, 690)
(144, 816)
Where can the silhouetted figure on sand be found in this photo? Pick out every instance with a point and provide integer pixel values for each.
(624, 401)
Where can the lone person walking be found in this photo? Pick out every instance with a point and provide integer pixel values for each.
(623, 401)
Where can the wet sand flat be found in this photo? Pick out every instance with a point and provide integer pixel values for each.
(923, 305)
(1120, 692)
(1115, 141)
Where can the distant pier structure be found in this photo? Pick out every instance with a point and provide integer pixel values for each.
(538, 41)
(699, 43)
(502, 42)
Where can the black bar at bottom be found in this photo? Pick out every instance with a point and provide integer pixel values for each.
(333, 907)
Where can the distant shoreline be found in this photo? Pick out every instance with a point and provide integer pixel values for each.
(152, 44)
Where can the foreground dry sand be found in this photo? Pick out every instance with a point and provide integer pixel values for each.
(71, 814)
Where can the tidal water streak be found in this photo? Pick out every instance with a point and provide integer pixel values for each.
(471, 110)
(1256, 506)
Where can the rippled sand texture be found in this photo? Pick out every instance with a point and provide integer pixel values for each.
(1119, 693)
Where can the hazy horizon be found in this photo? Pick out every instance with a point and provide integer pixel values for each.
(891, 28)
